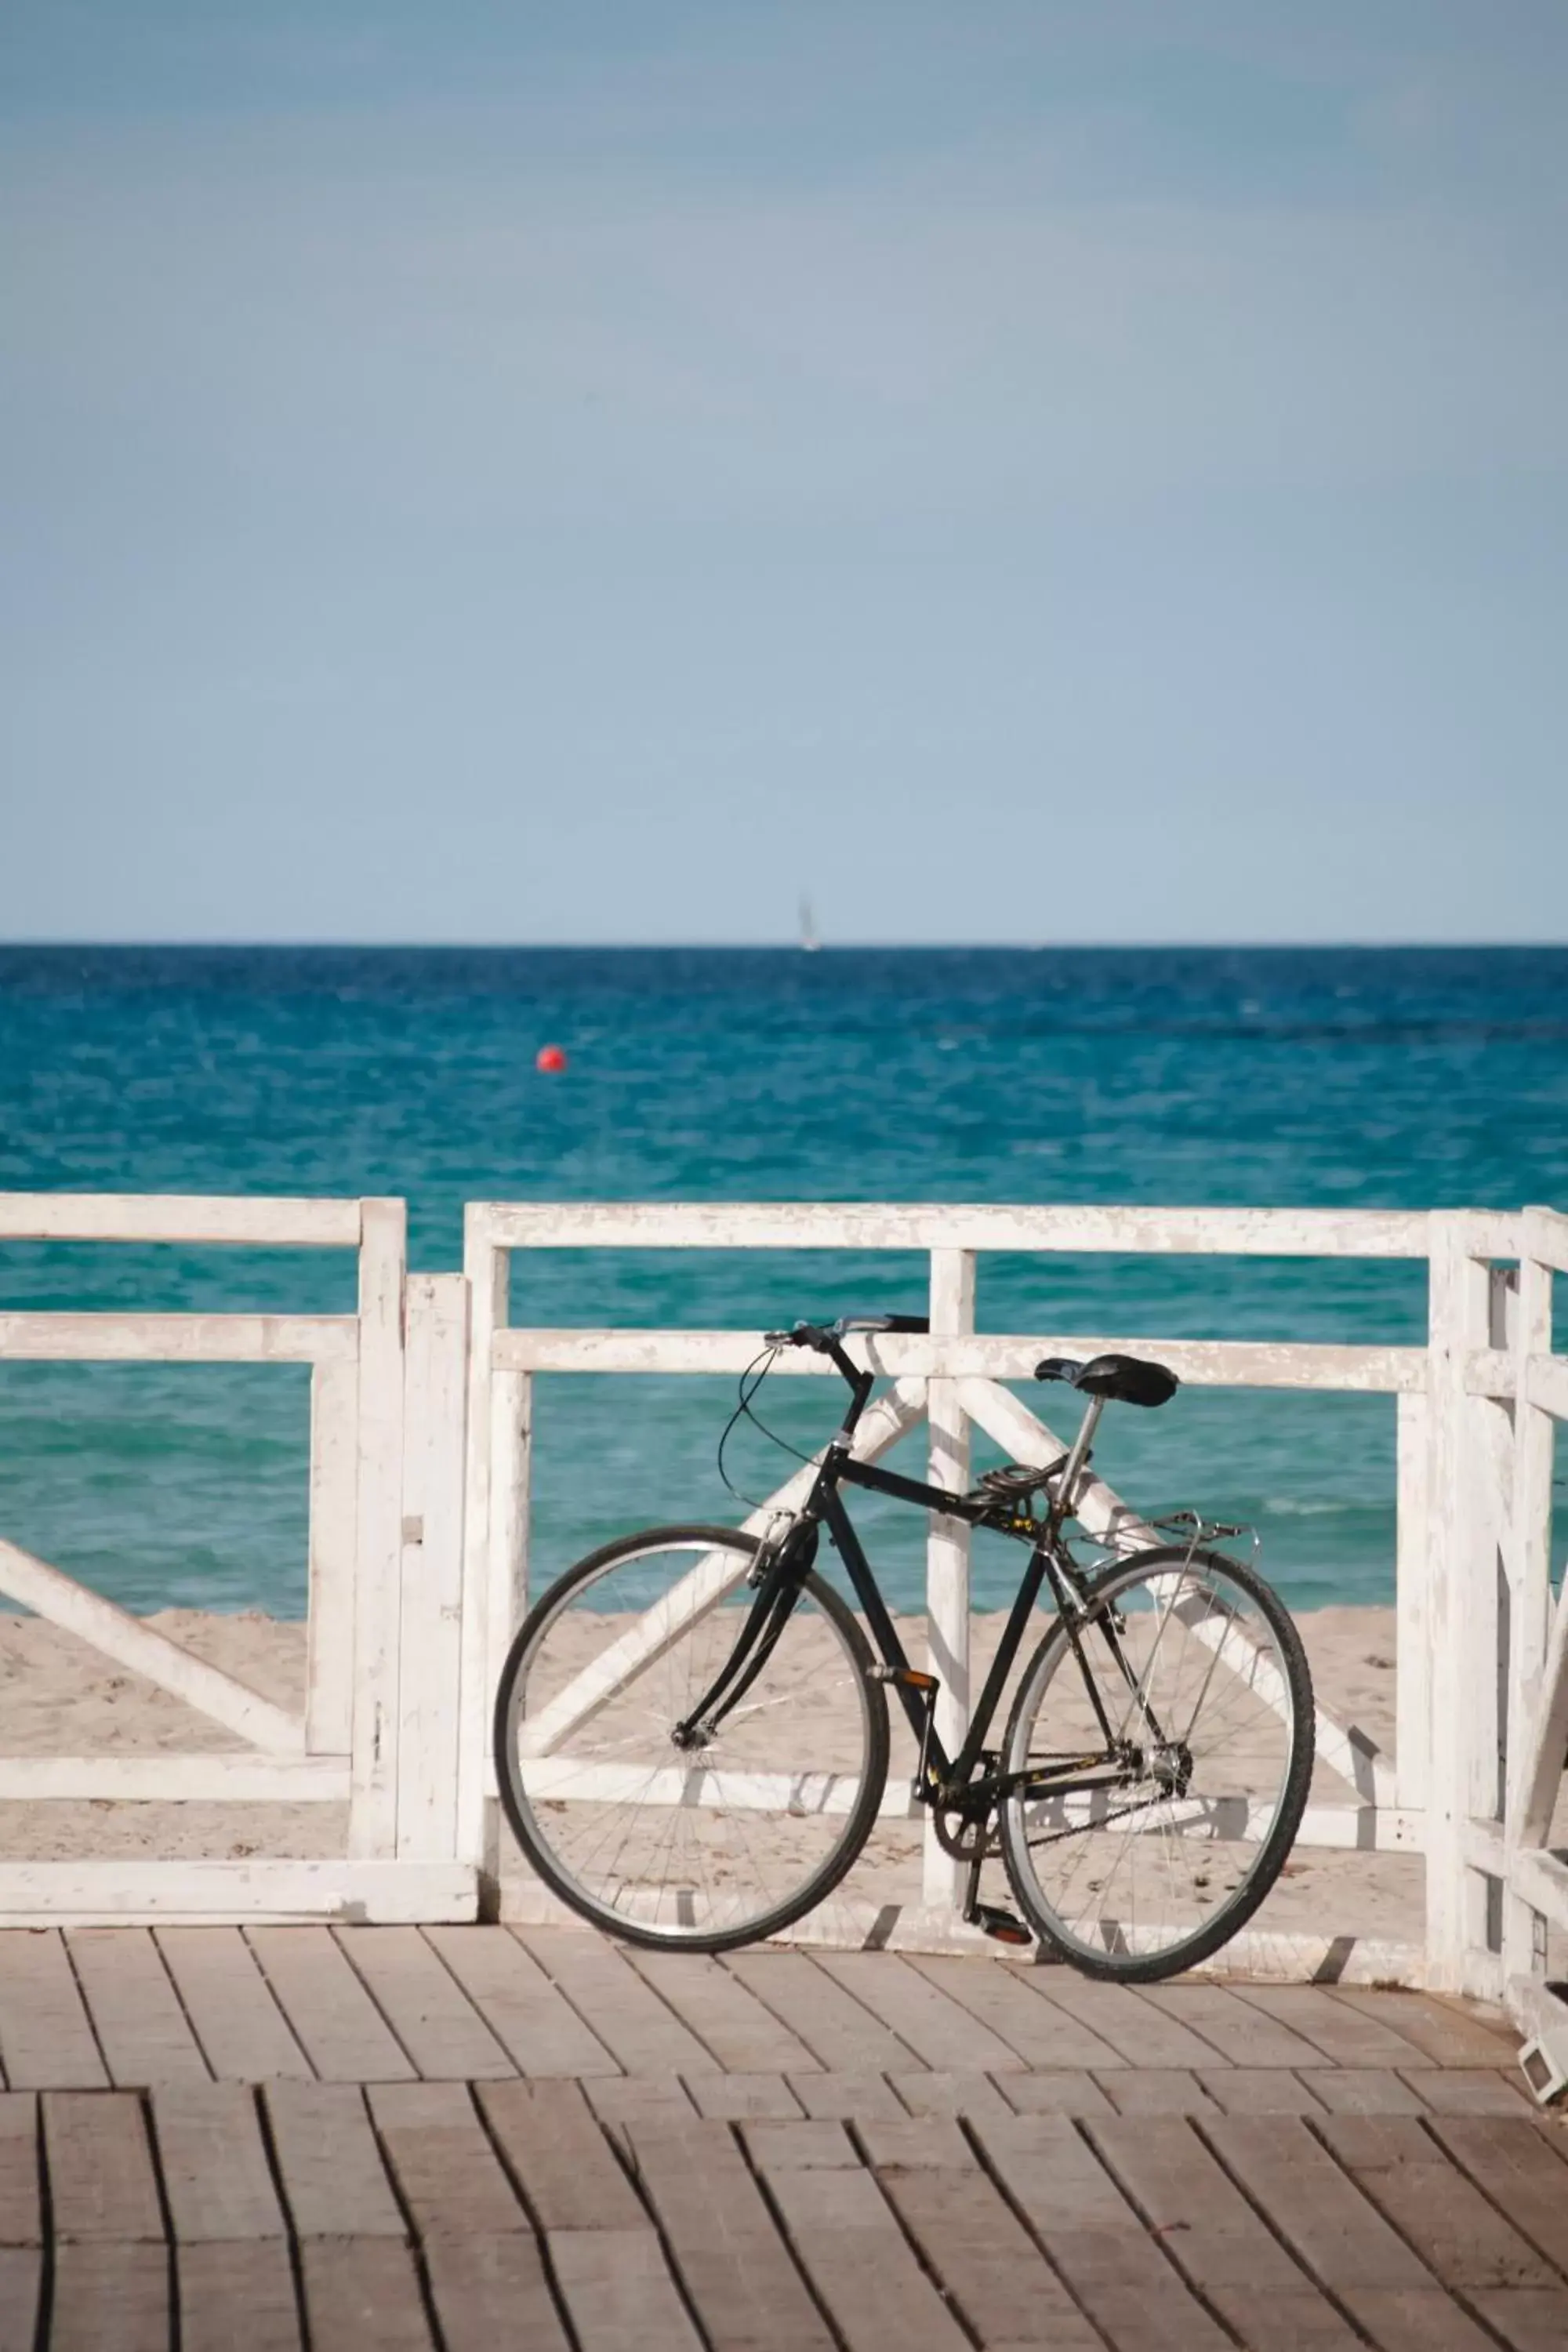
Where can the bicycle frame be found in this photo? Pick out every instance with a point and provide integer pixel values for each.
(953, 1781)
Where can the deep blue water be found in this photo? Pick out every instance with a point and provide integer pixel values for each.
(1383, 1079)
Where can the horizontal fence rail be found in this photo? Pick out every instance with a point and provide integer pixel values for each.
(421, 1424)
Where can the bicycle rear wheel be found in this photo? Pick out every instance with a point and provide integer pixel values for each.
(698, 1848)
(1195, 1665)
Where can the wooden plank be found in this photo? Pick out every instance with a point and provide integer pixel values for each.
(947, 2094)
(1063, 2091)
(216, 2177)
(928, 2143)
(1093, 2237)
(21, 2289)
(618, 2293)
(111, 2291)
(431, 1609)
(492, 2291)
(333, 2178)
(851, 2248)
(1412, 1641)
(841, 2097)
(619, 2100)
(617, 2005)
(378, 1520)
(739, 2098)
(434, 2020)
(1461, 2237)
(114, 1893)
(487, 1622)
(1214, 2236)
(791, 2147)
(969, 1362)
(538, 2030)
(730, 2259)
(1446, 2033)
(451, 2180)
(558, 2157)
(1264, 2090)
(1521, 2170)
(101, 2180)
(1346, 2036)
(224, 1777)
(133, 1642)
(742, 2035)
(21, 2206)
(1245, 2034)
(1464, 2091)
(1043, 2036)
(1366, 2090)
(332, 2017)
(937, 2030)
(840, 2033)
(178, 1339)
(1157, 2091)
(856, 1226)
(249, 1222)
(1140, 2033)
(230, 2006)
(44, 2031)
(333, 1524)
(142, 2032)
(1340, 2239)
(364, 2292)
(237, 2298)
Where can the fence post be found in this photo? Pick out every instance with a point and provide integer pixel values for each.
(1412, 1580)
(488, 1271)
(334, 1517)
(378, 1547)
(431, 1622)
(1534, 1436)
(947, 1552)
(1466, 1612)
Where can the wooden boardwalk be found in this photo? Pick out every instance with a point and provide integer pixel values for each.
(388, 2136)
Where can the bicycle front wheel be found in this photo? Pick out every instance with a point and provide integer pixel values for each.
(1178, 1716)
(698, 1848)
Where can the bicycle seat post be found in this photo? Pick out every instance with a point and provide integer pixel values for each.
(1066, 1485)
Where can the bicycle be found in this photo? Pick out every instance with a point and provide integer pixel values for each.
(1150, 1779)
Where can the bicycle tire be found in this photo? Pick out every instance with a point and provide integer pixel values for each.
(1126, 1962)
(531, 1833)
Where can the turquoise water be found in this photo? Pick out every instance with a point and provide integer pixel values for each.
(1390, 1078)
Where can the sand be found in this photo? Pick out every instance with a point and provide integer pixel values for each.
(59, 1697)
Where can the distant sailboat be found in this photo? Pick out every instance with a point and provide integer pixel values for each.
(808, 938)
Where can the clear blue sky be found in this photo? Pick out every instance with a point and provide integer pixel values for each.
(592, 471)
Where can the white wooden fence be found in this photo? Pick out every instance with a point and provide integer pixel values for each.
(420, 1476)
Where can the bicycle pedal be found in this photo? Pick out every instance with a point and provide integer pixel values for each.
(905, 1678)
(1001, 1925)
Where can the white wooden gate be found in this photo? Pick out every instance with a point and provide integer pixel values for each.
(377, 1731)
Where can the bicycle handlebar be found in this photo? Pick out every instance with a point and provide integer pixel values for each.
(821, 1336)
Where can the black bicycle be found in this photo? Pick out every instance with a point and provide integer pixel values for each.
(692, 1738)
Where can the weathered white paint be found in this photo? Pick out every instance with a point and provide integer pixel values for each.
(951, 1316)
(140, 1647)
(248, 1222)
(220, 1777)
(334, 1519)
(862, 1225)
(194, 1894)
(179, 1338)
(372, 1814)
(430, 1616)
(1413, 1639)
(1218, 1364)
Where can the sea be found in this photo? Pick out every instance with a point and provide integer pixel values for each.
(1320, 1077)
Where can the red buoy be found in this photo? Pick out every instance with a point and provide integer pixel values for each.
(549, 1057)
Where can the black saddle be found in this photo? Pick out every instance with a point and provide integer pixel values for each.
(1126, 1380)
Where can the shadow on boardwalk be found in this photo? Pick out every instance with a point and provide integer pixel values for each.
(470, 2137)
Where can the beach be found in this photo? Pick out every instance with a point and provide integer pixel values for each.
(57, 1697)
